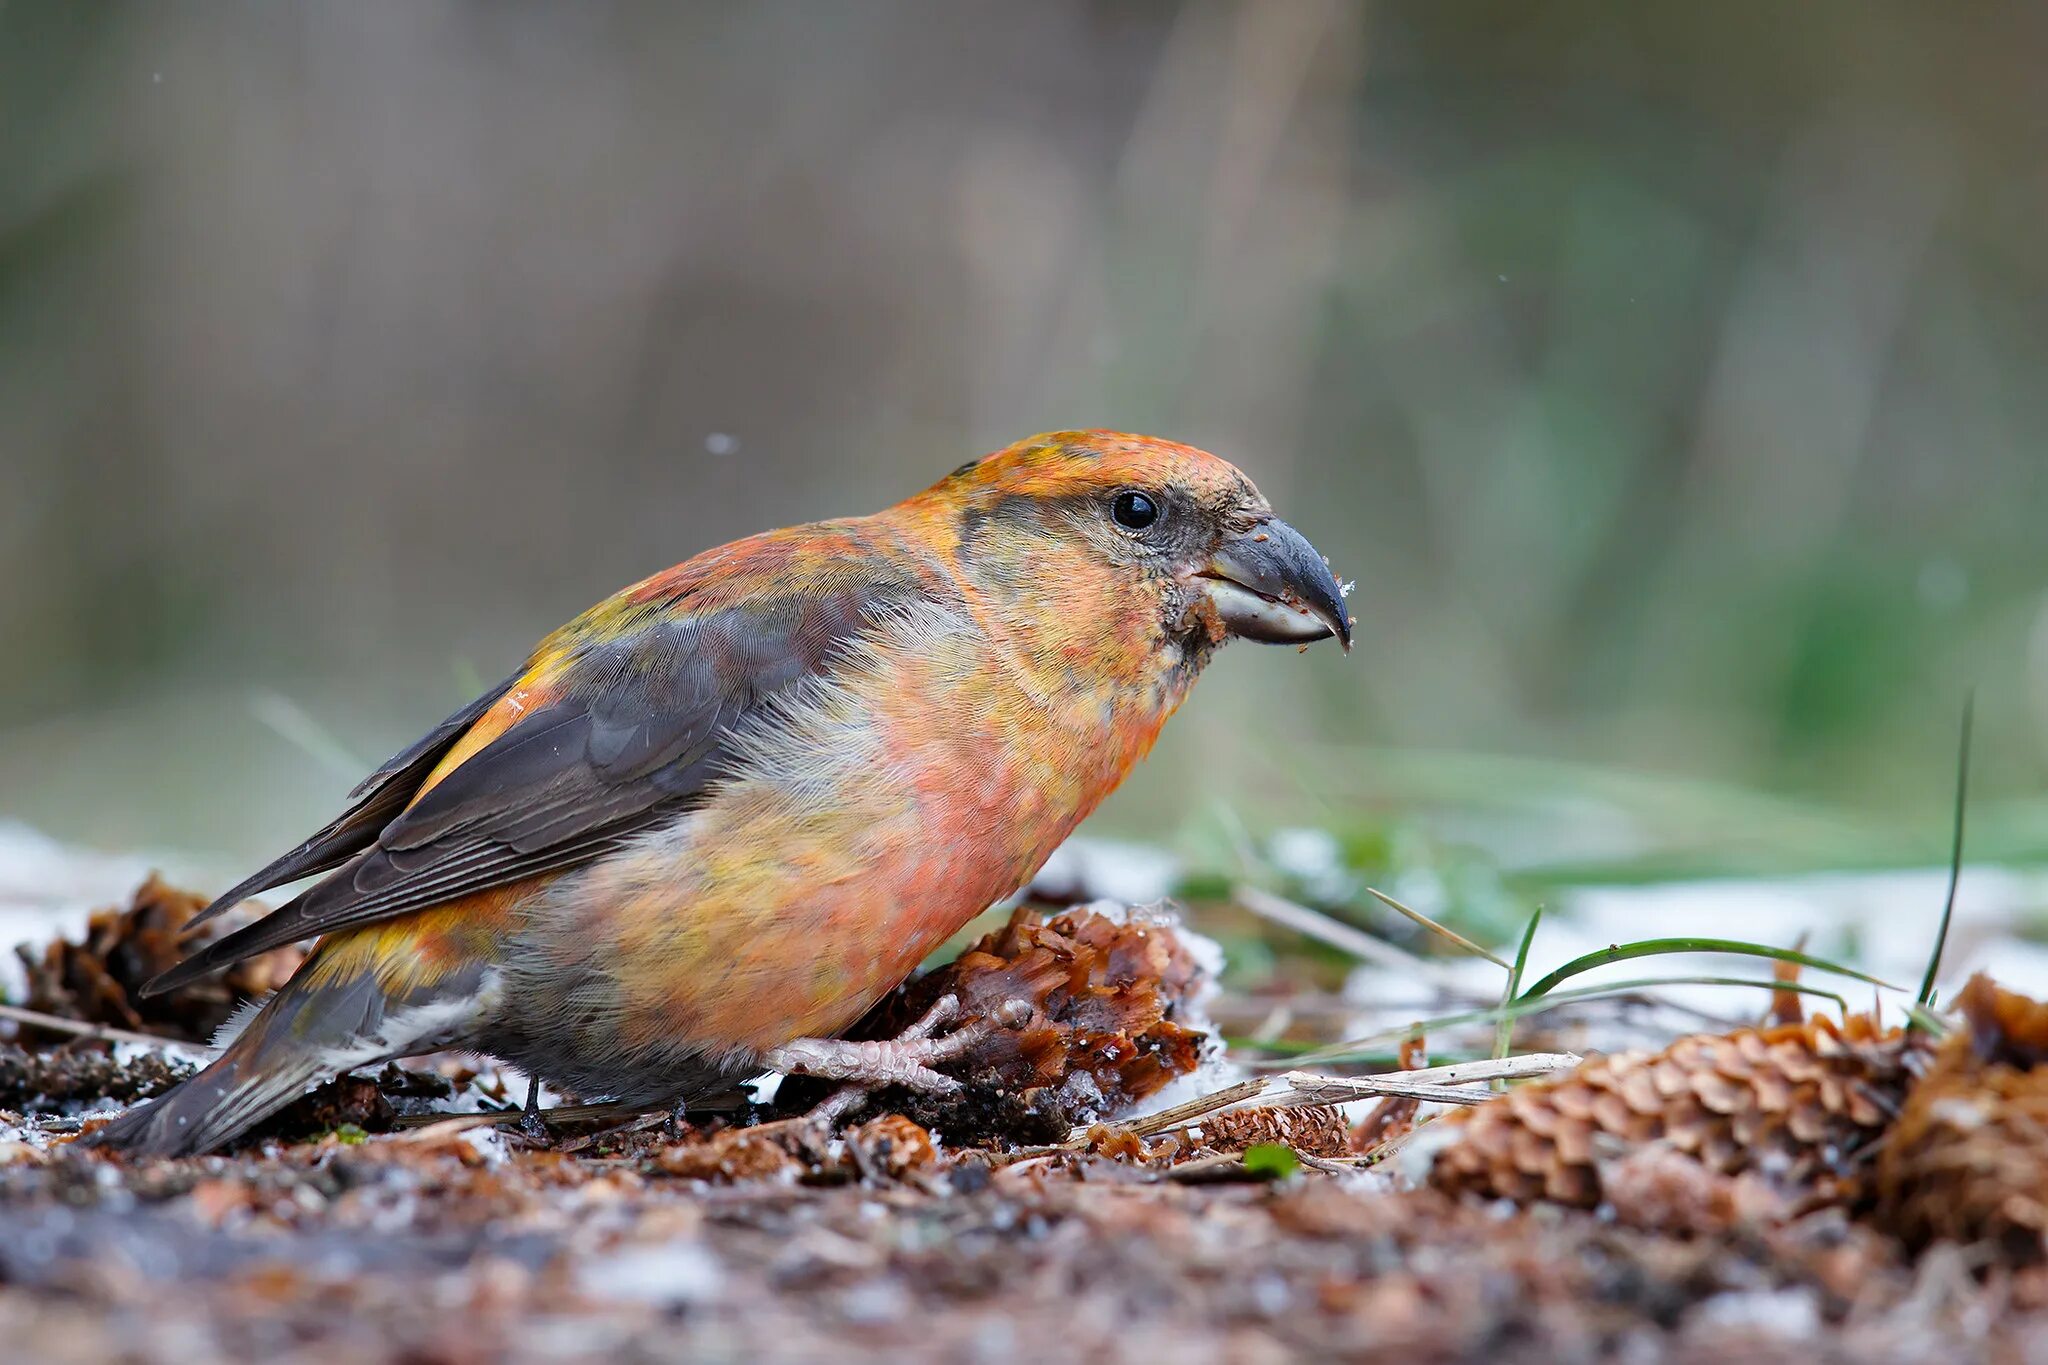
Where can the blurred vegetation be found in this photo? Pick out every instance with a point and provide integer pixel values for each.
(1667, 376)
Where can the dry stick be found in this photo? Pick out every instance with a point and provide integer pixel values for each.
(105, 1033)
(1327, 1165)
(1195, 1108)
(1345, 1089)
(429, 1127)
(1439, 1084)
(1358, 943)
(1454, 1073)
(1309, 1087)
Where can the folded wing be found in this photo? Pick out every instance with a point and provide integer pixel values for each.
(631, 731)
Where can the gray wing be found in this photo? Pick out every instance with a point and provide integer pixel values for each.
(640, 731)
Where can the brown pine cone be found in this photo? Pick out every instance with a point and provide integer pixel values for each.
(1968, 1159)
(1312, 1129)
(99, 978)
(1794, 1102)
(1092, 1013)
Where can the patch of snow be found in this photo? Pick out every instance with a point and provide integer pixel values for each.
(670, 1275)
(1789, 1314)
(488, 1143)
(2015, 964)
(875, 1302)
(1879, 922)
(1313, 860)
(127, 1053)
(1883, 921)
(1214, 1069)
(1079, 1092)
(1084, 869)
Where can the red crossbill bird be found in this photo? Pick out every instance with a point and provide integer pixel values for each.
(715, 818)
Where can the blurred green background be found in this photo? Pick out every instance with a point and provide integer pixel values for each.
(1669, 377)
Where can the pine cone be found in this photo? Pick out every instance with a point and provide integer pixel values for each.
(98, 979)
(1794, 1102)
(1968, 1159)
(1092, 1014)
(1312, 1130)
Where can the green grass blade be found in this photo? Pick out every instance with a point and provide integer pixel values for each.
(1926, 1020)
(1658, 947)
(1526, 1006)
(1955, 853)
(1504, 1032)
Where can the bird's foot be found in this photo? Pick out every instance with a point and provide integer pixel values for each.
(904, 1060)
(532, 1126)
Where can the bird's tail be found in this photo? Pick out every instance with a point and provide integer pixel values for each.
(243, 1086)
(316, 1026)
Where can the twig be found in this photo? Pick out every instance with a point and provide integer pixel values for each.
(1328, 1165)
(1344, 1089)
(1454, 1073)
(105, 1033)
(1361, 945)
(1192, 1109)
(1437, 1084)
(1220, 1167)
(430, 1127)
(1449, 1084)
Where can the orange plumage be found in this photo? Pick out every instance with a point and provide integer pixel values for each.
(731, 806)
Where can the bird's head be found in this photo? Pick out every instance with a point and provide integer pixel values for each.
(1113, 540)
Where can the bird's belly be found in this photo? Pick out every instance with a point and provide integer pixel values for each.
(763, 918)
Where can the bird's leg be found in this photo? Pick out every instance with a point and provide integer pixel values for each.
(827, 1113)
(531, 1124)
(904, 1060)
(676, 1125)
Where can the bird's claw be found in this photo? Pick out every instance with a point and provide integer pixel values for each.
(906, 1060)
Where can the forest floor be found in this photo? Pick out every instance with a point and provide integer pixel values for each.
(430, 1246)
(402, 1217)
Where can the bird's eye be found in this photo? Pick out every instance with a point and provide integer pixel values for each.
(1134, 511)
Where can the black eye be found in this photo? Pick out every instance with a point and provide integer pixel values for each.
(1134, 511)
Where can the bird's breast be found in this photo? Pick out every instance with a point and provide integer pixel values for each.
(865, 822)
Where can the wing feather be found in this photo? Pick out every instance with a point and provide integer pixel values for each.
(634, 733)
(376, 800)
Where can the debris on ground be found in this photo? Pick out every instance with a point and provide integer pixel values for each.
(1809, 1190)
(446, 1245)
(88, 1073)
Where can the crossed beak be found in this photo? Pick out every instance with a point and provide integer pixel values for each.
(1270, 585)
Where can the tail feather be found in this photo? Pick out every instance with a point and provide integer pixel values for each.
(311, 1028)
(205, 1111)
